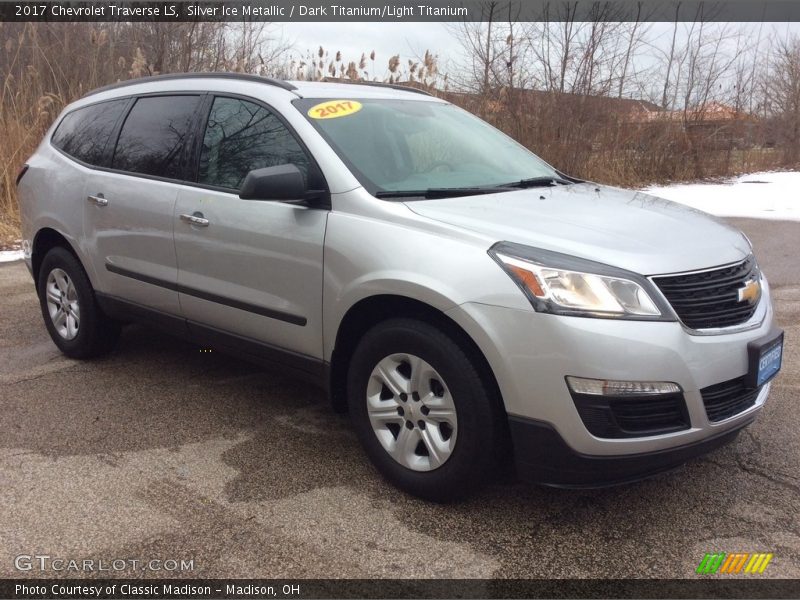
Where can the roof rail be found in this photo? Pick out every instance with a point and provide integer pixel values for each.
(393, 86)
(216, 75)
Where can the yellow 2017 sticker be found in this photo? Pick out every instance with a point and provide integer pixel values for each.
(333, 109)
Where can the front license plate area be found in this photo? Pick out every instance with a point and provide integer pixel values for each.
(765, 358)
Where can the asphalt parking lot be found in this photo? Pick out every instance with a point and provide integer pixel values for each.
(163, 452)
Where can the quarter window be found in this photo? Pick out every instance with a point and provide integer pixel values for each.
(155, 134)
(84, 132)
(242, 136)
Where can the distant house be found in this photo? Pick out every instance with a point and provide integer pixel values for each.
(710, 112)
(621, 108)
(718, 125)
(717, 111)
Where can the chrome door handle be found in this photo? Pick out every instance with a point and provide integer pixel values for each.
(196, 219)
(99, 200)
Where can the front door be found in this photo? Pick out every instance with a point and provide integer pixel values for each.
(249, 268)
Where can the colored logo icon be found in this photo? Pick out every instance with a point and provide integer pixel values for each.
(732, 564)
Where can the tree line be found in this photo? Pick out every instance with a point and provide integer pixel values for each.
(617, 102)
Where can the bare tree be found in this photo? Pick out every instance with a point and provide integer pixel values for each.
(634, 40)
(482, 50)
(782, 87)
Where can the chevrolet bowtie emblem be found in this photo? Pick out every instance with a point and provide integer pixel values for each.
(750, 292)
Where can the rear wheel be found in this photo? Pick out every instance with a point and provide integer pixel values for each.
(421, 410)
(71, 314)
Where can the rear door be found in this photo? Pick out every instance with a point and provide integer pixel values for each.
(128, 214)
(85, 135)
(252, 268)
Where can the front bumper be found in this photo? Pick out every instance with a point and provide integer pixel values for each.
(531, 353)
(542, 456)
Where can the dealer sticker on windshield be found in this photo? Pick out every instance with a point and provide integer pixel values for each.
(333, 109)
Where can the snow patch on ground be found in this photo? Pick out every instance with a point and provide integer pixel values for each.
(758, 195)
(10, 255)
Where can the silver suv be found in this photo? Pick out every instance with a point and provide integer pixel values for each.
(468, 304)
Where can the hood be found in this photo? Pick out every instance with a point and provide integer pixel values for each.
(622, 228)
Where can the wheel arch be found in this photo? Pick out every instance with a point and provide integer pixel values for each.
(369, 311)
(45, 240)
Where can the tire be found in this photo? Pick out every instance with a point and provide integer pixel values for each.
(75, 322)
(409, 366)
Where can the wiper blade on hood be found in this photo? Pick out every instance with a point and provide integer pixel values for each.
(432, 193)
(536, 182)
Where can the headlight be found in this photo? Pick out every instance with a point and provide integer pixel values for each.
(562, 284)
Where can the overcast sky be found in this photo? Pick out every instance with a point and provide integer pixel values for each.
(410, 40)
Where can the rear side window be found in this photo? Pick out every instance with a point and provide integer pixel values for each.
(83, 133)
(154, 135)
(242, 136)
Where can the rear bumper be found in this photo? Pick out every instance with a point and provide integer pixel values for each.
(542, 456)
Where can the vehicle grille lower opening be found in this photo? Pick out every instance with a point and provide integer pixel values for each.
(710, 299)
(632, 416)
(729, 398)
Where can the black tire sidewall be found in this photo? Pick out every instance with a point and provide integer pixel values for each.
(477, 421)
(86, 343)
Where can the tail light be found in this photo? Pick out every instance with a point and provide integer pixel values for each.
(21, 173)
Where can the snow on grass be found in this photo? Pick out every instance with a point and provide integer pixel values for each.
(758, 195)
(10, 255)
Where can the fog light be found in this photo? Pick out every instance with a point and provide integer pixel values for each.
(607, 387)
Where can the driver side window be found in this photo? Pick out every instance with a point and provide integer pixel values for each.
(241, 136)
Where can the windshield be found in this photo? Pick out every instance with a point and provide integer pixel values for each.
(411, 146)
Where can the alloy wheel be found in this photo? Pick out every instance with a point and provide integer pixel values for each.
(62, 304)
(412, 412)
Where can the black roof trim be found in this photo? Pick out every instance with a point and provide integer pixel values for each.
(393, 86)
(213, 75)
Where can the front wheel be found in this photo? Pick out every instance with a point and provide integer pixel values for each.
(421, 410)
(71, 314)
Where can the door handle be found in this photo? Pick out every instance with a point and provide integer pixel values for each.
(195, 219)
(98, 200)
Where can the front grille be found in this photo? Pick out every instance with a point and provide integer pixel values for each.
(632, 416)
(728, 398)
(710, 299)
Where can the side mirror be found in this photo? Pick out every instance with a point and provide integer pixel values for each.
(284, 182)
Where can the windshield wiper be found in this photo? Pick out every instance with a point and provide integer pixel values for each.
(433, 193)
(536, 182)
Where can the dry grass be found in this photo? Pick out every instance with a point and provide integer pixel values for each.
(45, 66)
(596, 141)
(29, 101)
(23, 121)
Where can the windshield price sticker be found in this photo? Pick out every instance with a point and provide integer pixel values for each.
(333, 109)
